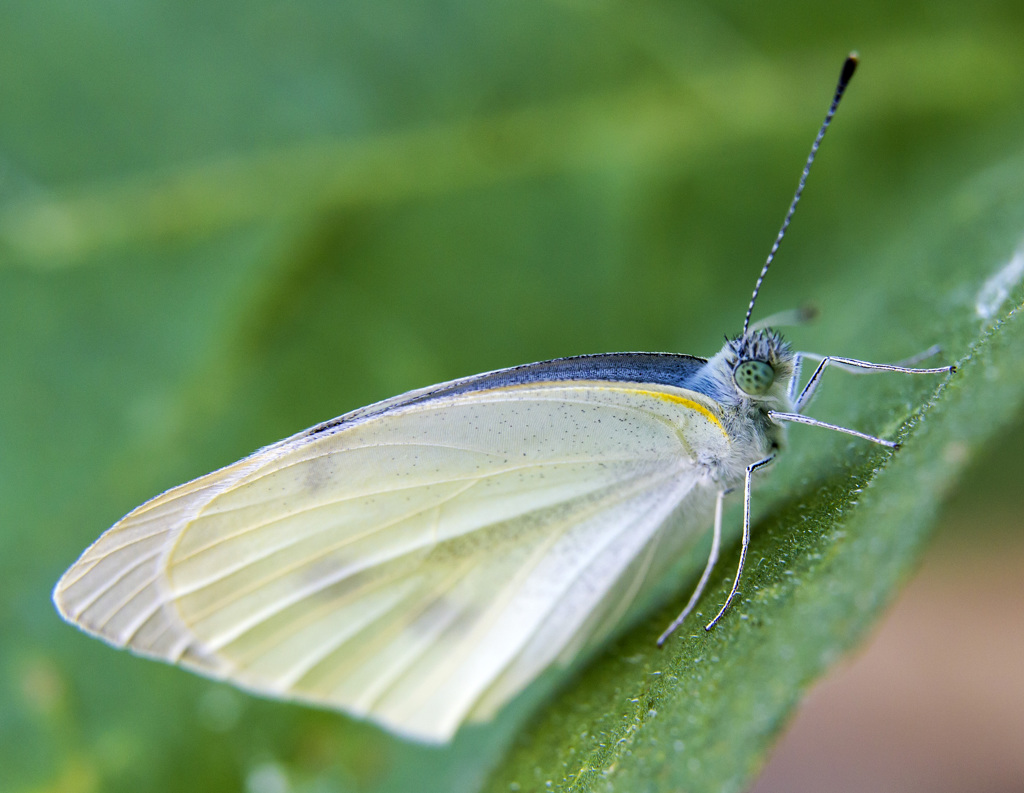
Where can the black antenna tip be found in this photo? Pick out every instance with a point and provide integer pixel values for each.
(849, 67)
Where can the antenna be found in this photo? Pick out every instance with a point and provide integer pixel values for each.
(849, 66)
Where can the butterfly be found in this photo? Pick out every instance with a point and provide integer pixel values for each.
(418, 562)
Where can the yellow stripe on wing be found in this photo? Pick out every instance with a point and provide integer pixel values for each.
(674, 398)
(663, 395)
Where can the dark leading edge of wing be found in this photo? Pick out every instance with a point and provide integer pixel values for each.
(661, 368)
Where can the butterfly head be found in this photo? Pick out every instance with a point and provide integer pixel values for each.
(760, 365)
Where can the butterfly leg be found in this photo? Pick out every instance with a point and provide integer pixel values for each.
(716, 542)
(924, 355)
(794, 381)
(746, 538)
(797, 418)
(852, 364)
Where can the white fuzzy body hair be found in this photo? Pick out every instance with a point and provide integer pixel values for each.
(752, 433)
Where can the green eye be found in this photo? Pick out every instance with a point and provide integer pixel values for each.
(754, 377)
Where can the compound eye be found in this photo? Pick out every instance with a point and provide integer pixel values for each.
(754, 377)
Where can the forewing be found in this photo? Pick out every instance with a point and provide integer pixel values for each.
(416, 566)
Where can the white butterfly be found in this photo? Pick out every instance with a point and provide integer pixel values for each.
(419, 561)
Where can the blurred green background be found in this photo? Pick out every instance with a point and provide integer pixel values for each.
(223, 222)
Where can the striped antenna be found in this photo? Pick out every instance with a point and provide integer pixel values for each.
(849, 66)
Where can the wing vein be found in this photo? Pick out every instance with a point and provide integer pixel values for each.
(313, 587)
(114, 581)
(509, 591)
(370, 494)
(270, 551)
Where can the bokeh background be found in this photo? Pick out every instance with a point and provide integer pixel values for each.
(223, 222)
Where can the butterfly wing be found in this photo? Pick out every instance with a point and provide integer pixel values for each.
(417, 564)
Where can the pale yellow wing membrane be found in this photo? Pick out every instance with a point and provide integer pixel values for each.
(118, 590)
(417, 567)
